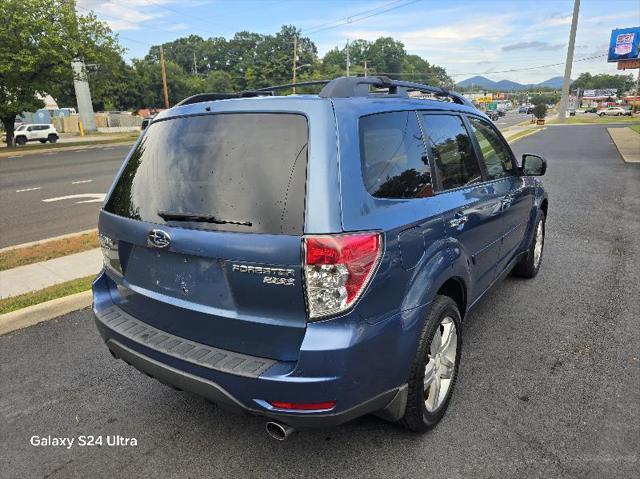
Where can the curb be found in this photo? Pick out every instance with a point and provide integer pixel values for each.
(524, 136)
(623, 155)
(38, 313)
(47, 240)
(17, 153)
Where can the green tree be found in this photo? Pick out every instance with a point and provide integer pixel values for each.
(38, 41)
(623, 83)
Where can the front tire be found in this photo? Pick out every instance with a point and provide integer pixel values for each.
(21, 140)
(435, 366)
(53, 138)
(529, 264)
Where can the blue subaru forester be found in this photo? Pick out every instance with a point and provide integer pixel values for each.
(310, 258)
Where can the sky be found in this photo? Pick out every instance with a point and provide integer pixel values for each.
(467, 37)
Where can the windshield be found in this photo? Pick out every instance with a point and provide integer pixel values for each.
(22, 127)
(231, 172)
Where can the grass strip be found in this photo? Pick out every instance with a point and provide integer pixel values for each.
(520, 134)
(51, 249)
(47, 294)
(635, 128)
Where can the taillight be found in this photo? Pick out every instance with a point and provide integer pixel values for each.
(337, 269)
(110, 252)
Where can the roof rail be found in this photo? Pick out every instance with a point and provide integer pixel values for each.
(342, 87)
(200, 97)
(346, 87)
(290, 85)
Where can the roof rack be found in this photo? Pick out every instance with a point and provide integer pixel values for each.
(342, 87)
(346, 87)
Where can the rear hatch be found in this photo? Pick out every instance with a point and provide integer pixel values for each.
(205, 224)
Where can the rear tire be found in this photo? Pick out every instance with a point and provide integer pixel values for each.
(21, 140)
(52, 138)
(427, 400)
(529, 264)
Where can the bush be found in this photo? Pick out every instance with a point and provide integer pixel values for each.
(540, 111)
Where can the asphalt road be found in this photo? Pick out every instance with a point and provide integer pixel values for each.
(549, 384)
(511, 118)
(29, 181)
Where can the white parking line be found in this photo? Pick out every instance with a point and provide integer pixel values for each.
(110, 148)
(79, 151)
(29, 189)
(79, 182)
(15, 156)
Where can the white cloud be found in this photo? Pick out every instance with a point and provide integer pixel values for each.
(129, 15)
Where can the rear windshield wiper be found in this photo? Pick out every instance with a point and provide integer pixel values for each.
(198, 218)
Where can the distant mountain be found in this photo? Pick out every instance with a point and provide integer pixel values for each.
(555, 82)
(483, 83)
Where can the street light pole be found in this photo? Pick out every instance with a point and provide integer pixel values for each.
(165, 91)
(347, 57)
(295, 61)
(566, 83)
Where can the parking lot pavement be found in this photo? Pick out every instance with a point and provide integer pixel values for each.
(549, 384)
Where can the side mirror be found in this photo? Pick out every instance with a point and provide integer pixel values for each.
(533, 165)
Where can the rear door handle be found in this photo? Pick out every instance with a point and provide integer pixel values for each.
(459, 220)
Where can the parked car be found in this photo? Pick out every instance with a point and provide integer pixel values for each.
(501, 112)
(523, 109)
(311, 259)
(612, 111)
(591, 110)
(34, 132)
(146, 122)
(493, 114)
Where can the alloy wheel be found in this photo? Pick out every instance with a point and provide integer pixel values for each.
(537, 248)
(441, 363)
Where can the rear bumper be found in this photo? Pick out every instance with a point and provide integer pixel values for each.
(363, 371)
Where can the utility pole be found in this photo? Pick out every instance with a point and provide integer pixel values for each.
(564, 99)
(164, 79)
(347, 57)
(195, 65)
(295, 61)
(365, 68)
(83, 96)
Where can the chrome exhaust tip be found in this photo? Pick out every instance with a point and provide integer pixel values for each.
(278, 431)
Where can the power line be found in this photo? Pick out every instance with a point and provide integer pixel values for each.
(501, 71)
(352, 19)
(354, 15)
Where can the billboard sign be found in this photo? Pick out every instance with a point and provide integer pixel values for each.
(600, 93)
(624, 44)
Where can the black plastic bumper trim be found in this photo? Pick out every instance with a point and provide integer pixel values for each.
(201, 354)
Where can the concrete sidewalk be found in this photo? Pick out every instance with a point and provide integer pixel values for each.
(627, 142)
(34, 277)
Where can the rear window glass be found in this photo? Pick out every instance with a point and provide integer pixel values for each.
(450, 146)
(226, 172)
(394, 161)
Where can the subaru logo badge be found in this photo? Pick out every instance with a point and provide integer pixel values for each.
(159, 239)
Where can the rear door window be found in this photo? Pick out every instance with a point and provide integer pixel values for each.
(449, 145)
(393, 158)
(496, 154)
(242, 172)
